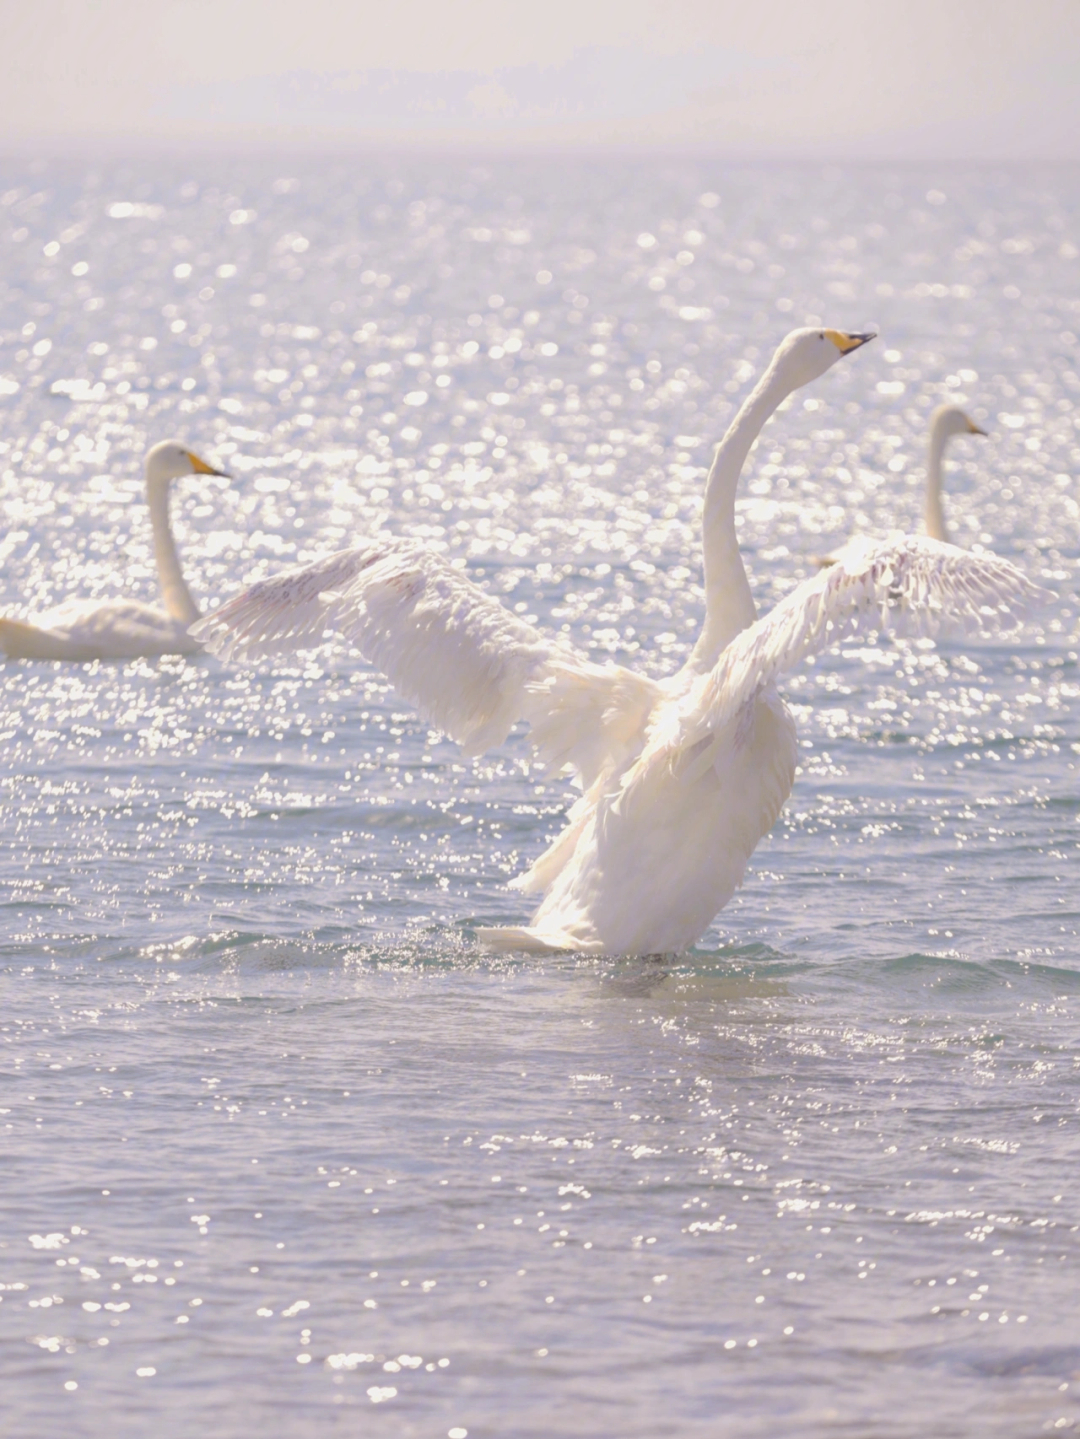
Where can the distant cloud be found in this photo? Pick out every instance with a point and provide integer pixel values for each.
(933, 79)
(598, 83)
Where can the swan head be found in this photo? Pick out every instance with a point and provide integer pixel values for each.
(950, 420)
(170, 460)
(806, 354)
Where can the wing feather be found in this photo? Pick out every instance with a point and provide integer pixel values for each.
(449, 647)
(289, 612)
(912, 585)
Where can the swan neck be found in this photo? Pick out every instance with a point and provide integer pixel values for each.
(174, 590)
(935, 510)
(729, 605)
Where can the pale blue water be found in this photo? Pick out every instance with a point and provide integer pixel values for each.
(333, 1170)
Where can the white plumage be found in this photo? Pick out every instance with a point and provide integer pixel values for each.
(681, 778)
(447, 646)
(122, 629)
(908, 584)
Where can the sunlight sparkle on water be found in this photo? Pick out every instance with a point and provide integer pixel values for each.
(281, 1142)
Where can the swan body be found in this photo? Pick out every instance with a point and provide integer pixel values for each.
(123, 629)
(946, 421)
(680, 777)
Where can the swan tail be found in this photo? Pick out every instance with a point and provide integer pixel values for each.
(518, 939)
(27, 642)
(548, 866)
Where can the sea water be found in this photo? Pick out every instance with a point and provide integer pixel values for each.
(282, 1149)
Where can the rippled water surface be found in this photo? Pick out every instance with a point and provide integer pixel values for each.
(281, 1148)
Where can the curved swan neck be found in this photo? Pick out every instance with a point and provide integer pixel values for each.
(729, 605)
(935, 511)
(174, 590)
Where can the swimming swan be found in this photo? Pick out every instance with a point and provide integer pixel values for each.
(123, 629)
(681, 777)
(946, 421)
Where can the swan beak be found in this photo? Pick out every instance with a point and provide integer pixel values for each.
(974, 429)
(202, 468)
(845, 342)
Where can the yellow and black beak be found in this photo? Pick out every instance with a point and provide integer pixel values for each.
(202, 468)
(974, 429)
(846, 342)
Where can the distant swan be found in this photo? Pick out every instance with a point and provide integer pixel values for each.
(946, 421)
(681, 777)
(123, 629)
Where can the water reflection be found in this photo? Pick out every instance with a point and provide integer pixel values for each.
(250, 1046)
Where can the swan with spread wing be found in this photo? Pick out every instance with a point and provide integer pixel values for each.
(123, 629)
(681, 777)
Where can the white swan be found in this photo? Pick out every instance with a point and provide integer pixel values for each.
(946, 421)
(681, 777)
(123, 629)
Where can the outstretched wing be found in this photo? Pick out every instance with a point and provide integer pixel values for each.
(446, 645)
(911, 584)
(290, 612)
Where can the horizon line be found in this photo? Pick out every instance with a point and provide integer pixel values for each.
(325, 143)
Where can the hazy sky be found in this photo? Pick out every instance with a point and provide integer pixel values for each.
(944, 78)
